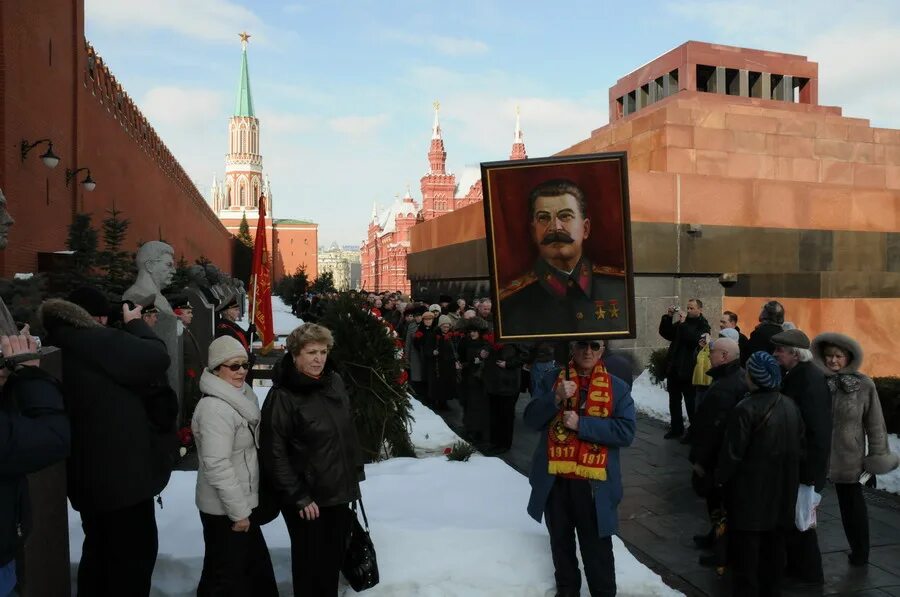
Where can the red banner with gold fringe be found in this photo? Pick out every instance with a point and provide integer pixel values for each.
(261, 284)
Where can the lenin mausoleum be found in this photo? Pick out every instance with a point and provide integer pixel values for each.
(743, 188)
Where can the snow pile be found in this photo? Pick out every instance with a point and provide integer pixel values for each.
(441, 528)
(283, 321)
(651, 399)
(430, 434)
(891, 481)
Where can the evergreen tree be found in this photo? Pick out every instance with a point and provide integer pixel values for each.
(83, 241)
(118, 265)
(291, 288)
(365, 354)
(244, 232)
(180, 279)
(324, 283)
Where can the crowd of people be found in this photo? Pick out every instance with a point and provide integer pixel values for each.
(113, 420)
(774, 417)
(779, 416)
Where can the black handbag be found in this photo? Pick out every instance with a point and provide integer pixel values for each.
(360, 566)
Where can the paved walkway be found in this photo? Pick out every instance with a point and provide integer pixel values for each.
(660, 513)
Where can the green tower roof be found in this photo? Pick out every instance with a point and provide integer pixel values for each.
(244, 104)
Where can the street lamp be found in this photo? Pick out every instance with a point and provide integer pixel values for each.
(88, 182)
(49, 158)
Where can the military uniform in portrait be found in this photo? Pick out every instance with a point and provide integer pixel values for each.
(589, 300)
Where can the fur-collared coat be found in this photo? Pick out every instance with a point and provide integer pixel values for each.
(857, 415)
(122, 411)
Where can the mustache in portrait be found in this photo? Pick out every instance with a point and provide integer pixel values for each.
(558, 236)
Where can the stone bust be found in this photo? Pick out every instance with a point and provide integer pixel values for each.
(196, 275)
(156, 265)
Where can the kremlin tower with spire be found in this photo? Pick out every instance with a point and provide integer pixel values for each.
(383, 252)
(246, 184)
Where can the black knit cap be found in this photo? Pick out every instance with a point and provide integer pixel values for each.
(91, 299)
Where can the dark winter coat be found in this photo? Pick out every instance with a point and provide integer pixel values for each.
(759, 462)
(111, 382)
(309, 447)
(442, 383)
(412, 354)
(761, 338)
(425, 344)
(193, 369)
(34, 433)
(743, 346)
(684, 338)
(504, 381)
(614, 432)
(858, 420)
(728, 387)
(805, 383)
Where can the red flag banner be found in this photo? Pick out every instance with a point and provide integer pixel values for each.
(261, 284)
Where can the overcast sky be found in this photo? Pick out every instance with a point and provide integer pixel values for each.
(344, 90)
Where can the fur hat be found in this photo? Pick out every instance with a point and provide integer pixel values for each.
(792, 338)
(222, 349)
(91, 299)
(444, 319)
(435, 307)
(763, 370)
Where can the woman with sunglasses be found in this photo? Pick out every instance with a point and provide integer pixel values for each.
(226, 432)
(311, 453)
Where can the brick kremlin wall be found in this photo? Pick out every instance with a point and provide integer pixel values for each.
(54, 85)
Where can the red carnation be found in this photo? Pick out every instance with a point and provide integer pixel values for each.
(447, 451)
(489, 338)
(186, 436)
(398, 343)
(190, 373)
(419, 335)
(403, 377)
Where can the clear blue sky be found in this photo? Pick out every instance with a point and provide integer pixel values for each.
(344, 90)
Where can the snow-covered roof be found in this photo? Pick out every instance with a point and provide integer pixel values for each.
(401, 208)
(467, 178)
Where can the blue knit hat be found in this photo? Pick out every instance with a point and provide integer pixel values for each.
(764, 370)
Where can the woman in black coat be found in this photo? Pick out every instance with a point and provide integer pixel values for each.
(471, 392)
(310, 453)
(502, 382)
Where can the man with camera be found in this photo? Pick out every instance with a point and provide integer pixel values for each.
(34, 433)
(576, 485)
(122, 424)
(683, 330)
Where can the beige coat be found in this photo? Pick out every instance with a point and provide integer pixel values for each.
(226, 431)
(857, 415)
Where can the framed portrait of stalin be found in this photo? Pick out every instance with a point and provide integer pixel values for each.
(559, 247)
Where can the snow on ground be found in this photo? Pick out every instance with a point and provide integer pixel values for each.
(891, 481)
(651, 399)
(430, 434)
(283, 321)
(440, 528)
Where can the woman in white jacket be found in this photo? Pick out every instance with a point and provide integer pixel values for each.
(226, 431)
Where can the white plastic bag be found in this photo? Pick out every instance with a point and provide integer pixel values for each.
(805, 512)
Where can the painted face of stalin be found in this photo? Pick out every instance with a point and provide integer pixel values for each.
(559, 229)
